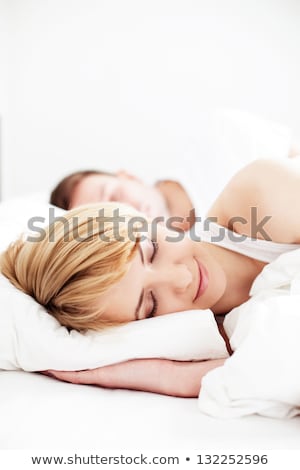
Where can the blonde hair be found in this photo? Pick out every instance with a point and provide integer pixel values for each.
(74, 263)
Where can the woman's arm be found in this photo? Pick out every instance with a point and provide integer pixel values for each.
(179, 379)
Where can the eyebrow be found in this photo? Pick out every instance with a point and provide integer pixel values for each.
(142, 293)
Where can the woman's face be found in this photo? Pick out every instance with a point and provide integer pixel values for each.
(165, 277)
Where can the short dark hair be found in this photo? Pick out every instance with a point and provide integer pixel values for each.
(62, 193)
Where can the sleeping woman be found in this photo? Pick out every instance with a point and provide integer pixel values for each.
(89, 275)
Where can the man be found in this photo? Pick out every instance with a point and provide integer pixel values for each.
(165, 198)
(226, 141)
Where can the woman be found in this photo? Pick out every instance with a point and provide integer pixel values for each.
(87, 281)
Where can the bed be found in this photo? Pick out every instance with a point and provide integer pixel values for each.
(38, 412)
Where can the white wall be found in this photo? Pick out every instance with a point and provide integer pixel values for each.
(4, 70)
(112, 83)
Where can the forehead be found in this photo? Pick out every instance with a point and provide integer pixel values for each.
(95, 180)
(90, 188)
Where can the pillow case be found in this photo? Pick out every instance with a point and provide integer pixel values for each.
(33, 340)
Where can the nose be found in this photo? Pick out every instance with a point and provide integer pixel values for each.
(176, 277)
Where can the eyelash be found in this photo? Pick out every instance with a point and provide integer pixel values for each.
(155, 304)
(155, 250)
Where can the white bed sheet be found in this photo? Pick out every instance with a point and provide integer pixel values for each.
(38, 412)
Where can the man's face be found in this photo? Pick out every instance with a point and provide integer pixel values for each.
(120, 188)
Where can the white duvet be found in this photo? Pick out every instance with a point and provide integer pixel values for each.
(263, 374)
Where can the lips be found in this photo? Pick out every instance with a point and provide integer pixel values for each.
(203, 280)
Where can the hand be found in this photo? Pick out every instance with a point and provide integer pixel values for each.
(138, 374)
(84, 377)
(181, 379)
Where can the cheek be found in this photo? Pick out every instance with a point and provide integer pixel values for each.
(132, 192)
(170, 304)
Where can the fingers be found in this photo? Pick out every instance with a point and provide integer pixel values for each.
(45, 372)
(69, 376)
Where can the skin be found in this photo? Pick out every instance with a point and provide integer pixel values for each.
(172, 276)
(166, 198)
(272, 187)
(180, 379)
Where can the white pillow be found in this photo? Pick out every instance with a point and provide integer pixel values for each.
(33, 340)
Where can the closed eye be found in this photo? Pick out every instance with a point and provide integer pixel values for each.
(154, 308)
(154, 300)
(155, 250)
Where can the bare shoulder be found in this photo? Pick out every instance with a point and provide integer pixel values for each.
(263, 189)
(264, 173)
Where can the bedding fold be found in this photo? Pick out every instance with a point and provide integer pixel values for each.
(263, 375)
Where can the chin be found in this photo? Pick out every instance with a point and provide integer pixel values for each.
(213, 294)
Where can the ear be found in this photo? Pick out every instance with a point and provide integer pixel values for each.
(124, 174)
